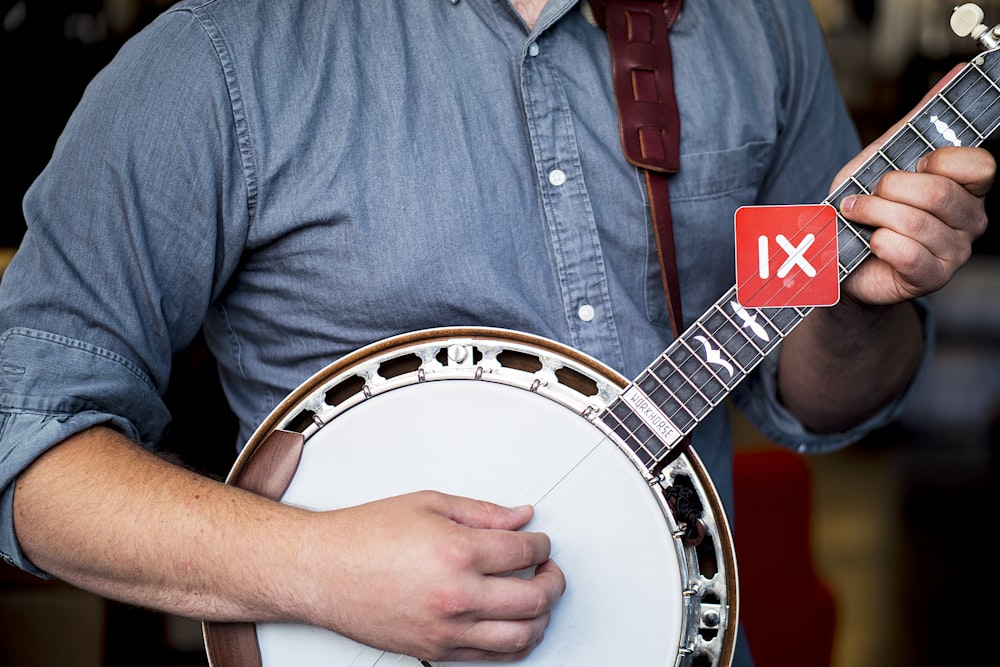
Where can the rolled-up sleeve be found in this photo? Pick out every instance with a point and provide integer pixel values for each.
(134, 227)
(760, 402)
(36, 413)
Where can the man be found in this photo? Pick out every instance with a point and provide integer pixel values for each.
(302, 178)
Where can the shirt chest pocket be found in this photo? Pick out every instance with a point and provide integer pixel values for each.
(704, 196)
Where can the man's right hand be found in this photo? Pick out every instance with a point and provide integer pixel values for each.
(422, 575)
(419, 574)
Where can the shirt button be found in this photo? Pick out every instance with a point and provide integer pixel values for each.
(586, 312)
(557, 177)
(533, 49)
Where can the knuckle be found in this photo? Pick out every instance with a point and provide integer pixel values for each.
(454, 552)
(543, 602)
(980, 224)
(964, 254)
(889, 181)
(920, 226)
(944, 195)
(448, 603)
(908, 262)
(535, 549)
(431, 497)
(524, 635)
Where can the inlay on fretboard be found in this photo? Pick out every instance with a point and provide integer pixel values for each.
(696, 373)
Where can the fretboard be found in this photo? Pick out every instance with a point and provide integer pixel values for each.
(699, 370)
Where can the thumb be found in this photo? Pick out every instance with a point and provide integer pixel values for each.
(487, 515)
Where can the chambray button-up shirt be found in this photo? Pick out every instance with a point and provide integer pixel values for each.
(303, 178)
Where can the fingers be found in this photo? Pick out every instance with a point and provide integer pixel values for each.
(525, 597)
(492, 551)
(517, 621)
(502, 552)
(513, 622)
(925, 223)
(499, 549)
(482, 514)
(494, 584)
(480, 655)
(932, 209)
(971, 168)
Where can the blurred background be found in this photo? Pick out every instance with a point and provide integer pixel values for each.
(895, 531)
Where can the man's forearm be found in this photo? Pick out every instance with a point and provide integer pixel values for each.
(110, 517)
(845, 363)
(104, 514)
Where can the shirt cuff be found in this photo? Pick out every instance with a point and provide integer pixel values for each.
(52, 387)
(42, 432)
(759, 402)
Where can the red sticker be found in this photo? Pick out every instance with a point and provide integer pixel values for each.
(787, 256)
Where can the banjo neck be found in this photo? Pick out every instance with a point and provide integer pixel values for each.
(659, 408)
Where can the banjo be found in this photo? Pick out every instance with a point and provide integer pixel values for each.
(634, 519)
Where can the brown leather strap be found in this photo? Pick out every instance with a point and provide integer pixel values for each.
(659, 204)
(648, 119)
(643, 76)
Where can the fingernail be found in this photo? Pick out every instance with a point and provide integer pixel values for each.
(921, 164)
(847, 204)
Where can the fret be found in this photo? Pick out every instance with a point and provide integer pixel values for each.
(976, 95)
(723, 345)
(862, 188)
(700, 378)
(639, 438)
(661, 392)
(968, 123)
(852, 244)
(991, 81)
(755, 315)
(785, 319)
(865, 178)
(872, 171)
(713, 386)
(753, 343)
(630, 425)
(848, 189)
(675, 393)
(940, 126)
(689, 402)
(756, 320)
(907, 146)
(890, 165)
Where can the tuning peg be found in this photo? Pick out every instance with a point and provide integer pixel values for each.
(967, 20)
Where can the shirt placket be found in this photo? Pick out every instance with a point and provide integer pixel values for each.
(568, 215)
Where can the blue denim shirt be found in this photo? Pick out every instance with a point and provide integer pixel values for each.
(303, 178)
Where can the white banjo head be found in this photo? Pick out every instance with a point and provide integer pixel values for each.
(504, 417)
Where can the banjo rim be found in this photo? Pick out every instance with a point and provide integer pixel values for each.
(293, 403)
